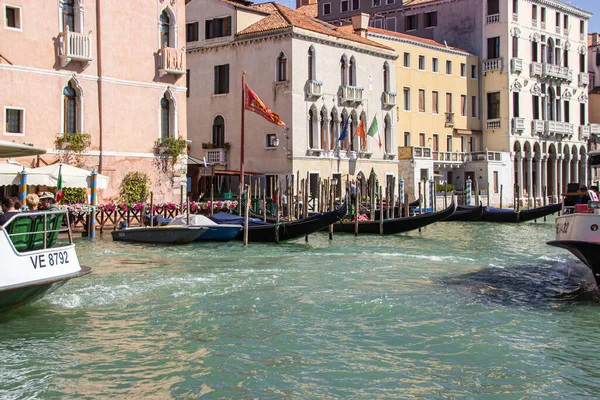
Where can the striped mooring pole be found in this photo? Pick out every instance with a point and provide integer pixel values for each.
(93, 201)
(468, 184)
(23, 189)
(401, 191)
(431, 194)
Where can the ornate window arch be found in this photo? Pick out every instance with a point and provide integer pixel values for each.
(344, 70)
(313, 127)
(167, 116)
(167, 28)
(324, 125)
(387, 133)
(354, 141)
(352, 72)
(334, 133)
(312, 70)
(72, 116)
(386, 77)
(71, 15)
(281, 67)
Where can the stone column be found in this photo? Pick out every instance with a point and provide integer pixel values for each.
(519, 159)
(529, 156)
(584, 170)
(576, 168)
(567, 163)
(559, 177)
(538, 177)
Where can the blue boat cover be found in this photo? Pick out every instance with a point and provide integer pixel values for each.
(499, 210)
(225, 218)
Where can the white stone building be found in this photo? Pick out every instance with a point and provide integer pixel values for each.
(310, 73)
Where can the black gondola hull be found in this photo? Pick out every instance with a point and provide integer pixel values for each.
(466, 213)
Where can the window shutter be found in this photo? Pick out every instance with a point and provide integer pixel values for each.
(226, 78)
(216, 91)
(228, 26)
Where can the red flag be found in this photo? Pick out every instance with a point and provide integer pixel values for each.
(254, 103)
(361, 132)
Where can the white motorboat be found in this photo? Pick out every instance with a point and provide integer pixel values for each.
(577, 229)
(34, 261)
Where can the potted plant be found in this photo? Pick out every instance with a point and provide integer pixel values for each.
(226, 145)
(171, 147)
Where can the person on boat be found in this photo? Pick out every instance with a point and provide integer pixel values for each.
(32, 200)
(594, 189)
(18, 204)
(47, 202)
(583, 199)
(8, 208)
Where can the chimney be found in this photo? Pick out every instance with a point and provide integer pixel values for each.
(595, 39)
(300, 3)
(360, 24)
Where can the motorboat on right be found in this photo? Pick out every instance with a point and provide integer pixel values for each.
(577, 229)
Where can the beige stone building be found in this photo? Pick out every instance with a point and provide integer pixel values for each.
(112, 69)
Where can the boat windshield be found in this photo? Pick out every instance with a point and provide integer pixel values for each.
(29, 231)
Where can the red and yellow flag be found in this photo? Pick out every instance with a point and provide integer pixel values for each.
(361, 132)
(254, 103)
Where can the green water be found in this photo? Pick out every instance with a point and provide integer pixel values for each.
(458, 311)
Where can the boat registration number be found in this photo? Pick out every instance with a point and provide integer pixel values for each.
(562, 227)
(49, 259)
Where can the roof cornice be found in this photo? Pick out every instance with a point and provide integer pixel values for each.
(417, 43)
(565, 8)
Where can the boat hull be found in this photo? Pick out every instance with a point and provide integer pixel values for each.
(159, 235)
(466, 213)
(396, 225)
(17, 296)
(538, 212)
(219, 233)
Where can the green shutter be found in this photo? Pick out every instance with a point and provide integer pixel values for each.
(226, 78)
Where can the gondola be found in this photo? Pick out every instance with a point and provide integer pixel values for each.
(260, 231)
(466, 213)
(538, 212)
(396, 225)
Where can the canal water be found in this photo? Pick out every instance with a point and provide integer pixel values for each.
(461, 310)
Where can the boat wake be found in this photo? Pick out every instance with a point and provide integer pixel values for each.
(553, 284)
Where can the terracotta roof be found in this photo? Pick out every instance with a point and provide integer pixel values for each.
(312, 10)
(416, 2)
(414, 38)
(244, 5)
(282, 17)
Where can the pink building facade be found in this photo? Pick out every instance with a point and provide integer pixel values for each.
(115, 70)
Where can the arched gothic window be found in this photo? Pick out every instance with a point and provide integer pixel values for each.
(343, 71)
(387, 132)
(311, 64)
(165, 117)
(352, 72)
(281, 68)
(386, 77)
(165, 27)
(218, 131)
(70, 109)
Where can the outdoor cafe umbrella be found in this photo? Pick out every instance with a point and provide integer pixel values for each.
(10, 174)
(72, 176)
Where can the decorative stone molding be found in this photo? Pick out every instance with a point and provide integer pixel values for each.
(567, 94)
(536, 90)
(534, 37)
(516, 32)
(583, 98)
(516, 86)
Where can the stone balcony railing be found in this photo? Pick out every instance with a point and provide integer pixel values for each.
(584, 79)
(518, 125)
(314, 88)
(538, 127)
(558, 30)
(536, 69)
(595, 129)
(449, 120)
(493, 19)
(75, 46)
(557, 72)
(495, 156)
(584, 132)
(558, 128)
(543, 25)
(515, 17)
(494, 64)
(534, 23)
(421, 152)
(170, 61)
(449, 157)
(493, 124)
(516, 65)
(351, 94)
(389, 99)
(216, 156)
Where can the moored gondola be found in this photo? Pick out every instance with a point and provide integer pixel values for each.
(395, 225)
(265, 232)
(466, 213)
(538, 212)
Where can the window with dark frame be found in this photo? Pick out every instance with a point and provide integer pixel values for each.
(463, 70)
(567, 110)
(221, 79)
(191, 32)
(474, 106)
(422, 63)
(516, 107)
(355, 5)
(406, 93)
(493, 48)
(70, 109)
(411, 23)
(431, 19)
(13, 17)
(218, 27)
(218, 132)
(493, 7)
(473, 71)
(14, 121)
(448, 102)
(515, 6)
(493, 105)
(281, 68)
(270, 140)
(434, 65)
(187, 83)
(407, 60)
(582, 113)
(435, 102)
(448, 67)
(515, 47)
(421, 100)
(345, 5)
(326, 8)
(534, 12)
(463, 105)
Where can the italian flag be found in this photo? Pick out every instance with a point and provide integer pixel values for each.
(59, 185)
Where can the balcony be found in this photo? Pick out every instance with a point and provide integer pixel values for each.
(351, 94)
(584, 132)
(557, 72)
(74, 46)
(493, 18)
(535, 69)
(449, 120)
(518, 125)
(538, 127)
(170, 61)
(595, 129)
(534, 23)
(493, 124)
(515, 17)
(516, 65)
(494, 156)
(557, 128)
(421, 152)
(494, 64)
(389, 99)
(584, 79)
(543, 25)
(558, 30)
(449, 157)
(314, 88)
(216, 156)
(566, 31)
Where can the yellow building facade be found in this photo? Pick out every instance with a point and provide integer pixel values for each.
(438, 104)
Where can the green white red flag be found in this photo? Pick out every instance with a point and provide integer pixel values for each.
(59, 185)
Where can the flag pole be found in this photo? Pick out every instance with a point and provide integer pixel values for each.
(242, 136)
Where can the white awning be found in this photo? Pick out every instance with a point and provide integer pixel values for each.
(72, 176)
(10, 149)
(10, 174)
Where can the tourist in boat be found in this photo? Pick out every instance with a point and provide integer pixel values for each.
(8, 208)
(583, 199)
(32, 200)
(47, 202)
